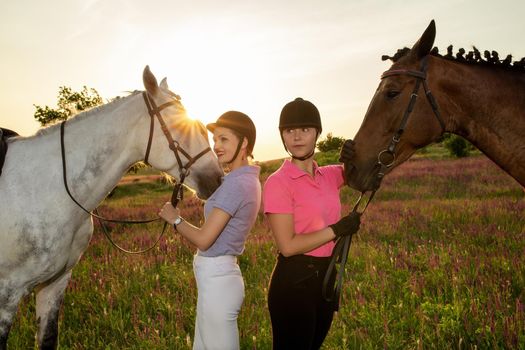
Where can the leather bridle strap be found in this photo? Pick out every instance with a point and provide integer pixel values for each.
(153, 112)
(340, 255)
(421, 77)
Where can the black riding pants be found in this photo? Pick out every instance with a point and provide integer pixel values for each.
(300, 316)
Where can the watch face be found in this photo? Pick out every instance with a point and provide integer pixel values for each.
(178, 221)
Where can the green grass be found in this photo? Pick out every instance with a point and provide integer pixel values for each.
(438, 264)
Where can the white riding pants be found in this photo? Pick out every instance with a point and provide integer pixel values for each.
(220, 296)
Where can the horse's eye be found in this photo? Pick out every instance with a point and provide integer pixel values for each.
(392, 93)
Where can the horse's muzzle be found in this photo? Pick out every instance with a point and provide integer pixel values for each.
(206, 185)
(360, 179)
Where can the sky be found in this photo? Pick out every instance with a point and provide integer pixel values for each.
(251, 56)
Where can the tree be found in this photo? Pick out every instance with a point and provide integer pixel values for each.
(457, 146)
(331, 143)
(69, 103)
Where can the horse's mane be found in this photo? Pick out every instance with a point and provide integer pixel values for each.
(474, 57)
(85, 114)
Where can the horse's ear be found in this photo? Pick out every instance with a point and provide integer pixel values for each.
(164, 84)
(423, 46)
(150, 82)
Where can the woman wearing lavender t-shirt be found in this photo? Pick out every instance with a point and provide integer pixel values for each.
(230, 214)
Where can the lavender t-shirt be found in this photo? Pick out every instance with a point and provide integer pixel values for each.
(240, 196)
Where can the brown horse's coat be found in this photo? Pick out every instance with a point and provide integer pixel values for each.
(484, 104)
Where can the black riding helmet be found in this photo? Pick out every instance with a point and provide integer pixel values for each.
(242, 125)
(300, 113)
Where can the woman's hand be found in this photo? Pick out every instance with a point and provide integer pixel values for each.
(289, 243)
(347, 151)
(169, 213)
(347, 225)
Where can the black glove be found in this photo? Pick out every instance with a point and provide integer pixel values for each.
(347, 151)
(347, 225)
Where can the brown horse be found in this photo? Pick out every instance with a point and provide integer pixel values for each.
(483, 102)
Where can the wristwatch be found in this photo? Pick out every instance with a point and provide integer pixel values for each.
(177, 221)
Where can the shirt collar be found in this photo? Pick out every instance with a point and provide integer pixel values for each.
(245, 169)
(295, 172)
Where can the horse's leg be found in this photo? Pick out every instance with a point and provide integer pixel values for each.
(8, 307)
(49, 299)
(6, 319)
(5, 325)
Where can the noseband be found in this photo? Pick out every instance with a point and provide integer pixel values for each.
(340, 252)
(153, 111)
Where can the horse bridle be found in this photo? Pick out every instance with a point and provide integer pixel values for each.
(153, 112)
(184, 170)
(340, 252)
(421, 77)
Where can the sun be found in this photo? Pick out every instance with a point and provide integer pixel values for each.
(218, 69)
(212, 69)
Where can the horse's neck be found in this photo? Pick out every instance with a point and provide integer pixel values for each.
(487, 107)
(100, 147)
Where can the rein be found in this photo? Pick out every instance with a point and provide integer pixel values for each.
(340, 255)
(385, 159)
(176, 196)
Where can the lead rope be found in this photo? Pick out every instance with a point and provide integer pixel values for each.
(176, 196)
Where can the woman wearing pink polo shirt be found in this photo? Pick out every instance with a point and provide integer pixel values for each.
(301, 201)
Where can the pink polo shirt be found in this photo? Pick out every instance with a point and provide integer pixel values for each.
(313, 202)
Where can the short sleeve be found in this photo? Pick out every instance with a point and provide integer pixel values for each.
(277, 198)
(336, 173)
(229, 198)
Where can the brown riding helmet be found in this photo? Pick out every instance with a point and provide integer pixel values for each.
(238, 122)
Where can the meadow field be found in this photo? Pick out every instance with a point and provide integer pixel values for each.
(439, 263)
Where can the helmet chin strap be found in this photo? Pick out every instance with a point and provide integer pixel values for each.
(236, 152)
(303, 157)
